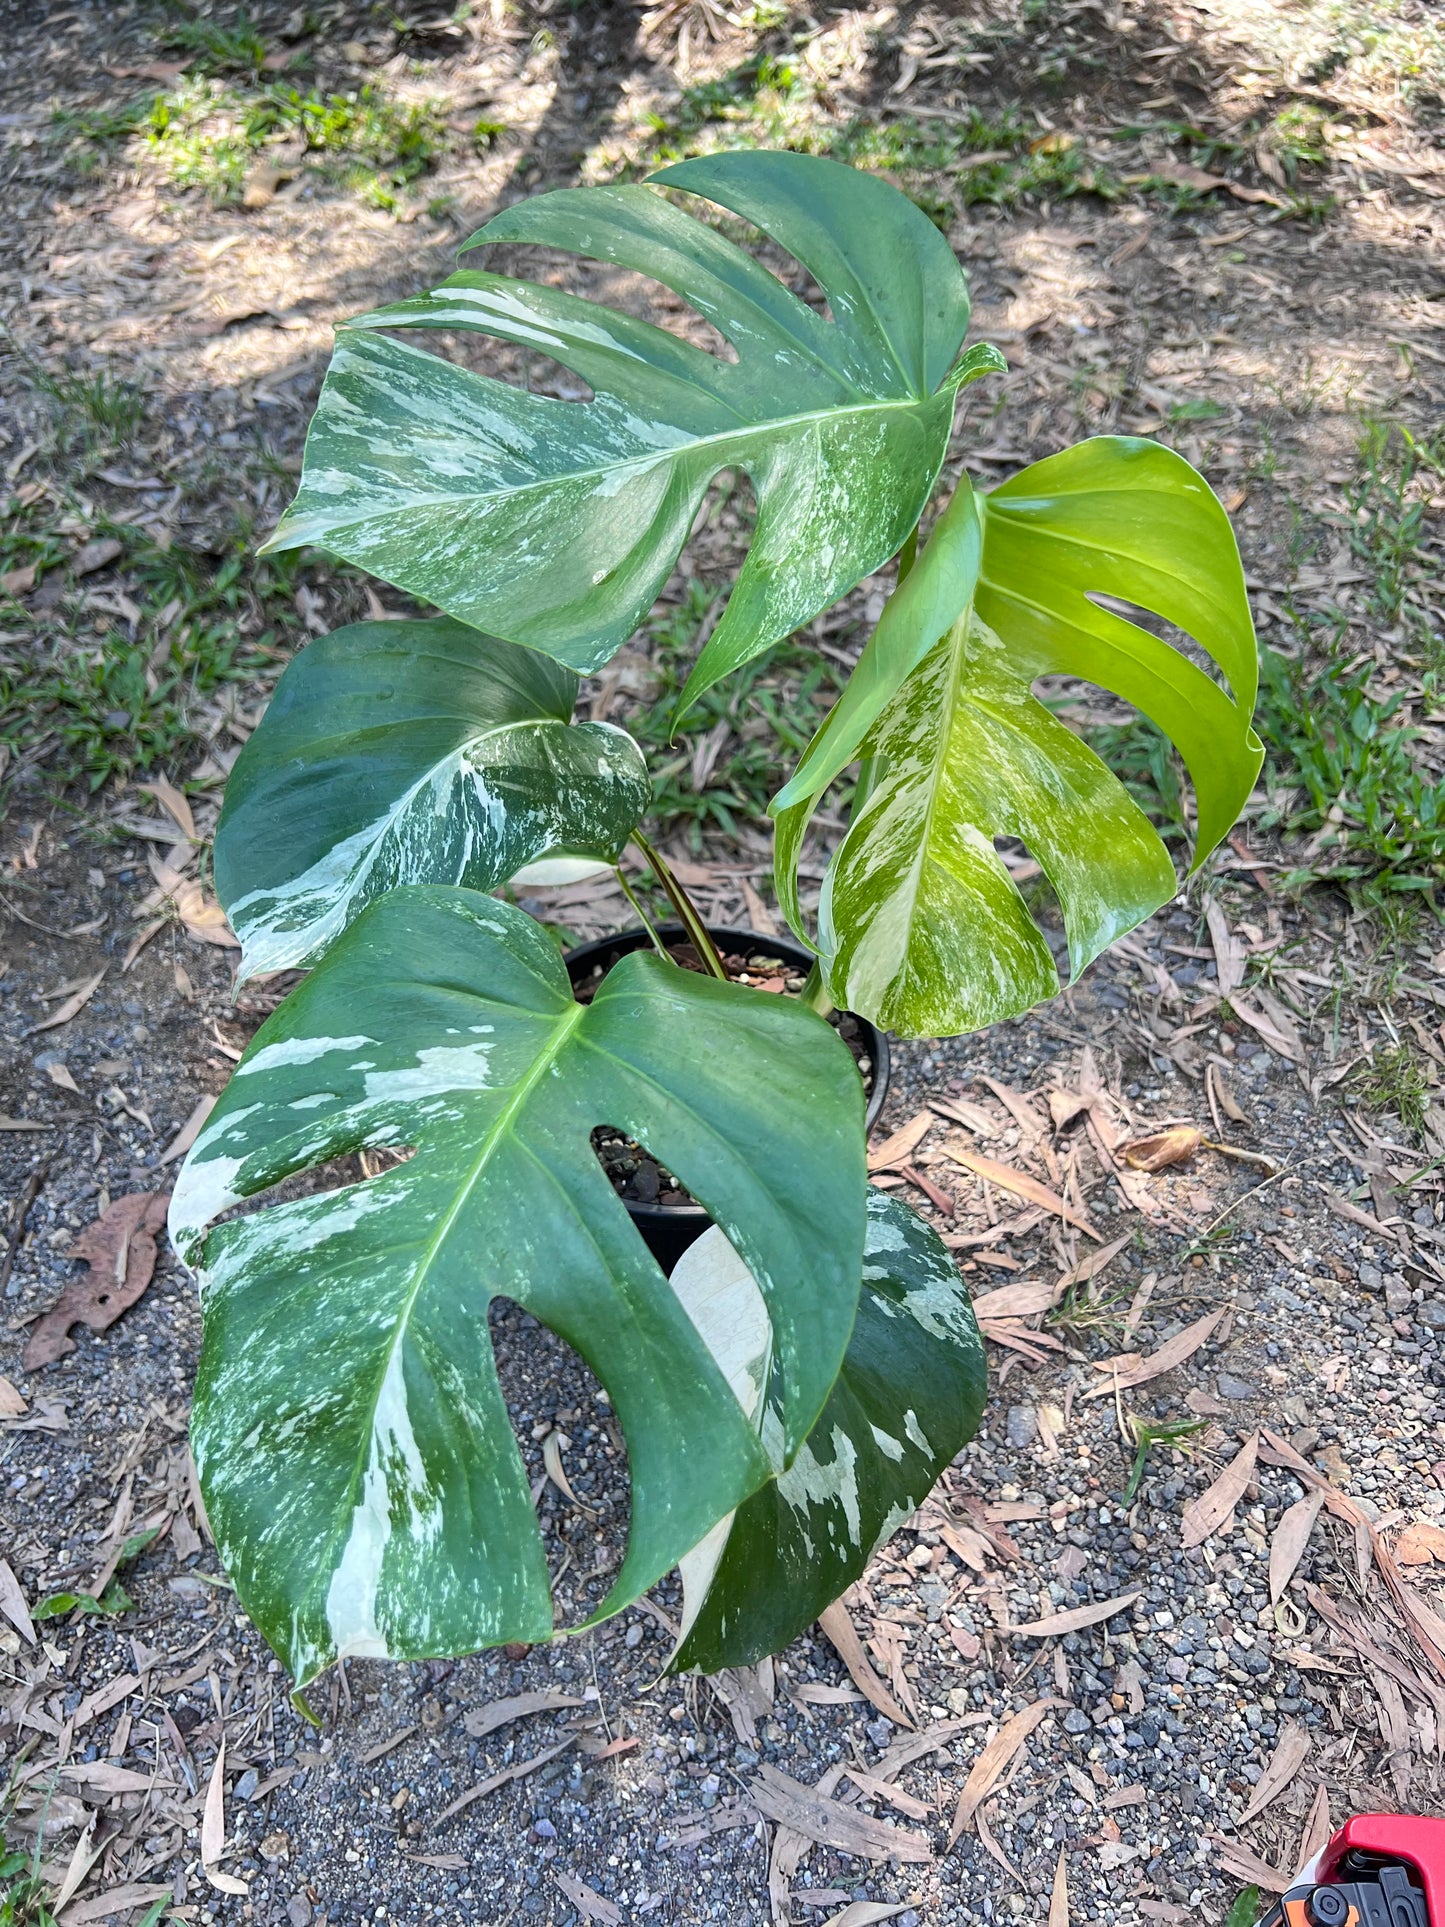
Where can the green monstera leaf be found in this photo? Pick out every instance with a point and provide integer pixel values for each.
(909, 1397)
(410, 752)
(359, 1469)
(556, 523)
(920, 926)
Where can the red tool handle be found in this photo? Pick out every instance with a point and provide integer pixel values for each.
(1401, 1836)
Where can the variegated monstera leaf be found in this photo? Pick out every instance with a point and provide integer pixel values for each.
(909, 1397)
(920, 925)
(355, 1453)
(410, 752)
(556, 523)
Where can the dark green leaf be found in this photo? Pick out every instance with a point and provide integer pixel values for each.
(115, 1599)
(410, 752)
(908, 1398)
(356, 1457)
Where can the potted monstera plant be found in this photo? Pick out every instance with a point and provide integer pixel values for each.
(796, 1385)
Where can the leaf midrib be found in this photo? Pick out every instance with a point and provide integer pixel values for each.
(780, 425)
(500, 1125)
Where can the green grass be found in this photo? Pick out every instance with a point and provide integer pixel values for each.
(86, 703)
(22, 1891)
(217, 49)
(207, 132)
(1395, 1080)
(739, 736)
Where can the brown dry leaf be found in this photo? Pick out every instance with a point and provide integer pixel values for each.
(1420, 1544)
(1291, 1537)
(1394, 1730)
(989, 1768)
(120, 1249)
(213, 1831)
(202, 915)
(1091, 1264)
(121, 1900)
(13, 1604)
(1229, 953)
(865, 1913)
(76, 1001)
(1023, 1186)
(837, 1623)
(1059, 1898)
(174, 803)
(1284, 1041)
(186, 1136)
(1076, 1618)
(95, 555)
(1015, 1301)
(12, 1405)
(557, 1472)
(517, 1771)
(1241, 1864)
(1318, 1829)
(18, 582)
(1289, 1755)
(590, 1905)
(899, 1148)
(1214, 1508)
(486, 1719)
(805, 1811)
(1129, 1369)
(876, 1789)
(1177, 1145)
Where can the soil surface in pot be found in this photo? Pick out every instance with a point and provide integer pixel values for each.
(635, 1174)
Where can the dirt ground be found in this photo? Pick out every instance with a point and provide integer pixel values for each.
(1217, 1678)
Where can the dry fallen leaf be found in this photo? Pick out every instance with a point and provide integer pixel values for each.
(837, 1623)
(1420, 1544)
(1076, 1618)
(988, 1769)
(213, 1831)
(1317, 1831)
(202, 915)
(1177, 1145)
(518, 1770)
(1023, 1186)
(186, 1136)
(1129, 1369)
(864, 1913)
(12, 1405)
(95, 555)
(1059, 1898)
(1291, 1537)
(76, 1001)
(120, 1250)
(830, 1823)
(1215, 1507)
(1229, 953)
(486, 1719)
(174, 803)
(61, 1078)
(590, 1905)
(1289, 1755)
(1239, 1862)
(899, 1148)
(13, 1605)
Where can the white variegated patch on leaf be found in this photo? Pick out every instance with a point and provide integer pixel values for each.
(411, 752)
(355, 1453)
(920, 925)
(556, 523)
(908, 1398)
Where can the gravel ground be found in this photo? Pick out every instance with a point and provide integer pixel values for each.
(644, 1787)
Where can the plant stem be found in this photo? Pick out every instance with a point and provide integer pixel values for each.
(813, 994)
(687, 912)
(658, 945)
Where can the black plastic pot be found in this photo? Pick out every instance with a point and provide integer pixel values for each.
(668, 1229)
